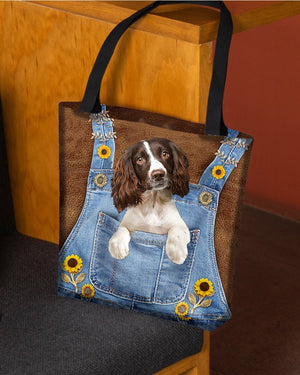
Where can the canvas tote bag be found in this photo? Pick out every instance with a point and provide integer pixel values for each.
(195, 292)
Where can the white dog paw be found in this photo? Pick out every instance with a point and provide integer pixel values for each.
(176, 246)
(175, 254)
(119, 244)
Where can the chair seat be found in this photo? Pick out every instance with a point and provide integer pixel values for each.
(41, 333)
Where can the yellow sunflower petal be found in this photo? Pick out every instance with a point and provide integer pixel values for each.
(104, 152)
(72, 263)
(203, 287)
(218, 172)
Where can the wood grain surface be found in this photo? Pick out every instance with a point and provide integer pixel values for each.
(46, 58)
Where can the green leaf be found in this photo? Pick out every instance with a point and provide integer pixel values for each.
(192, 299)
(206, 303)
(80, 278)
(65, 278)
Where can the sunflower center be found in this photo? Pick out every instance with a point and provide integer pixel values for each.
(103, 151)
(72, 262)
(204, 286)
(182, 309)
(218, 172)
(87, 291)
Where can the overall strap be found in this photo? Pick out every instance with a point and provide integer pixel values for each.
(104, 140)
(214, 119)
(227, 158)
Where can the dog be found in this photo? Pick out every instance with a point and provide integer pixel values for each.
(145, 178)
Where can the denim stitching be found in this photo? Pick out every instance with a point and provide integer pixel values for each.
(114, 273)
(75, 229)
(226, 158)
(103, 224)
(111, 290)
(212, 255)
(102, 133)
(195, 235)
(196, 203)
(93, 255)
(104, 138)
(139, 298)
(147, 242)
(200, 189)
(94, 279)
(159, 272)
(232, 151)
(135, 240)
(211, 247)
(196, 238)
(187, 271)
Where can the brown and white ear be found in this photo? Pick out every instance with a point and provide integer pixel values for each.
(125, 184)
(181, 177)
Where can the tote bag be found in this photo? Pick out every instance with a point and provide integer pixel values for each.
(195, 292)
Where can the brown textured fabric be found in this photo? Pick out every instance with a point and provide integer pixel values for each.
(131, 126)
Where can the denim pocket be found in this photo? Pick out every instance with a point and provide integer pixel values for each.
(146, 274)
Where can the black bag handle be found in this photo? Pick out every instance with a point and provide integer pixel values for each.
(214, 118)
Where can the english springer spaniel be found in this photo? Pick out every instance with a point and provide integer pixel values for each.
(145, 178)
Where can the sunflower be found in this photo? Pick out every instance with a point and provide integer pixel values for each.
(88, 291)
(203, 287)
(218, 172)
(104, 152)
(72, 263)
(181, 309)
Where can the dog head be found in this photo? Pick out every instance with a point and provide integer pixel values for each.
(155, 164)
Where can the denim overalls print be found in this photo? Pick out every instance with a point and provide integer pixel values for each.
(146, 280)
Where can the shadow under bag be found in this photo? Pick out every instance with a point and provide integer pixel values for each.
(147, 280)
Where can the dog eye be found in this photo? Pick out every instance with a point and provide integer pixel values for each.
(140, 160)
(165, 155)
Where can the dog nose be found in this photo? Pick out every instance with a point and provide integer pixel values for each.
(157, 174)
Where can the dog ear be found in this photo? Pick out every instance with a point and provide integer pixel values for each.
(125, 184)
(181, 177)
